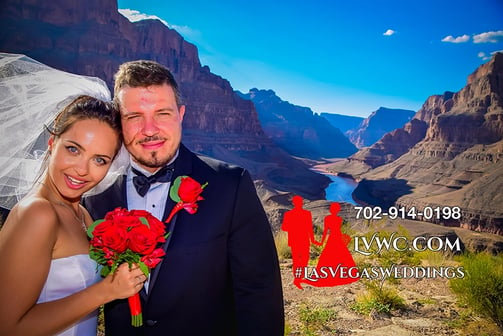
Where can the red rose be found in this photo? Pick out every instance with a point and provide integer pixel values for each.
(140, 213)
(142, 240)
(111, 236)
(116, 213)
(122, 218)
(103, 227)
(155, 225)
(153, 258)
(185, 192)
(190, 190)
(127, 222)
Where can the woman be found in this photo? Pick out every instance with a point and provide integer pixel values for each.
(335, 259)
(49, 285)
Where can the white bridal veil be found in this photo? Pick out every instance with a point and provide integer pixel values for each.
(31, 95)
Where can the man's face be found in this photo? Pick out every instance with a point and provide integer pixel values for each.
(151, 124)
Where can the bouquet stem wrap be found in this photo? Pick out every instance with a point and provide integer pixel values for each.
(135, 309)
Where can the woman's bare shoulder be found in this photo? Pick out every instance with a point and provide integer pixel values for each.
(33, 210)
(30, 231)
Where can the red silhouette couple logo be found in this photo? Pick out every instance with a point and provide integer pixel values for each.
(335, 260)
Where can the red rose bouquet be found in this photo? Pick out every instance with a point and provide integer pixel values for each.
(133, 236)
(127, 236)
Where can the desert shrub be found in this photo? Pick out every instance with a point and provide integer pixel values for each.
(314, 319)
(378, 298)
(281, 241)
(433, 258)
(288, 328)
(481, 288)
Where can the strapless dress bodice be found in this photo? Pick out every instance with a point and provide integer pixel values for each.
(67, 276)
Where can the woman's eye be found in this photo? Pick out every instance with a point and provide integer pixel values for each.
(72, 149)
(101, 161)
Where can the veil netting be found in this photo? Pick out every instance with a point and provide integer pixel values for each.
(31, 95)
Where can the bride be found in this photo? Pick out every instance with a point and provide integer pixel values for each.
(49, 285)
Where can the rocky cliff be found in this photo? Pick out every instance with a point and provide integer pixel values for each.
(92, 38)
(342, 122)
(297, 129)
(399, 141)
(459, 161)
(379, 122)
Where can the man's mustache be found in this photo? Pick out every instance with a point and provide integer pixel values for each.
(149, 139)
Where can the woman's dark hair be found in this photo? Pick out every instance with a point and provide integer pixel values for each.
(84, 108)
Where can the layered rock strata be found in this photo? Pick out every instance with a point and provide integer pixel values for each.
(458, 162)
(92, 38)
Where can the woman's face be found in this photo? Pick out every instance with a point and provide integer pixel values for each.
(81, 157)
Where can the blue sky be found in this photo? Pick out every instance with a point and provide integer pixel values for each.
(346, 57)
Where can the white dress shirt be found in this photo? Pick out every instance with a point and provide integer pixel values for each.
(155, 199)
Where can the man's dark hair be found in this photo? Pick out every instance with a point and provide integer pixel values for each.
(143, 73)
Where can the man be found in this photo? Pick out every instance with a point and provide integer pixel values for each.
(298, 222)
(220, 275)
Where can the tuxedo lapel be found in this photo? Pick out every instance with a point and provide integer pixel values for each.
(183, 166)
(115, 196)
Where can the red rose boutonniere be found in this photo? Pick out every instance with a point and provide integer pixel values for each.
(127, 236)
(185, 192)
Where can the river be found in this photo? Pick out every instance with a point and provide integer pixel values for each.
(340, 189)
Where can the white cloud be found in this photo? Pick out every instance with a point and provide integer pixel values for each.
(483, 56)
(459, 39)
(187, 32)
(389, 32)
(488, 37)
(486, 57)
(133, 15)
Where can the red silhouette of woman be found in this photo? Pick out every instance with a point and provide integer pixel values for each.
(336, 265)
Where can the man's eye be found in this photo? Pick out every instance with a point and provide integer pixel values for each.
(131, 117)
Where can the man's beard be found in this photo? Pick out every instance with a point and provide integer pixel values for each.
(153, 162)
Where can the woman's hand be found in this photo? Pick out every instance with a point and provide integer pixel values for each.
(125, 281)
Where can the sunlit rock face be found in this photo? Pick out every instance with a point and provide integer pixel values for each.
(457, 162)
(92, 38)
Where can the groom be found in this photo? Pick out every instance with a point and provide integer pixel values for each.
(220, 275)
(298, 223)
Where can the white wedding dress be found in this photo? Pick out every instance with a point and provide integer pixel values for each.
(67, 276)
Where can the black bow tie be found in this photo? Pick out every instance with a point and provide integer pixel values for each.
(142, 183)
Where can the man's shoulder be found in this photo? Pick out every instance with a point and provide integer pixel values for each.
(213, 165)
(103, 200)
(219, 165)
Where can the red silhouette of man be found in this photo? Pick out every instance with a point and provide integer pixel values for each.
(298, 223)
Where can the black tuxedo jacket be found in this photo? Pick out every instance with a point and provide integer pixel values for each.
(220, 275)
